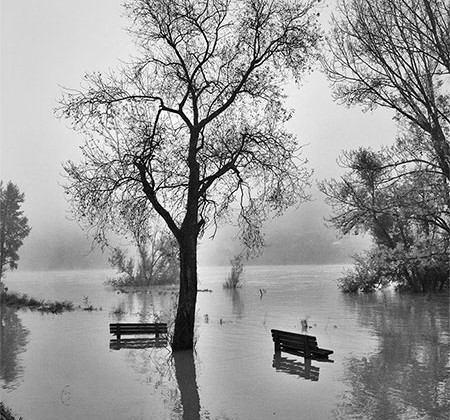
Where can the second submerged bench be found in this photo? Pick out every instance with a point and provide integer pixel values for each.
(119, 329)
(299, 344)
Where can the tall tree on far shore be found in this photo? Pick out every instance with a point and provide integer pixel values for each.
(396, 54)
(193, 129)
(13, 226)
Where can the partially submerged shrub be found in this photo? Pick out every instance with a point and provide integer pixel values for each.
(56, 307)
(407, 269)
(119, 310)
(234, 279)
(365, 276)
(156, 263)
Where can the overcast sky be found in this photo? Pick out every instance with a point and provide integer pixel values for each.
(48, 44)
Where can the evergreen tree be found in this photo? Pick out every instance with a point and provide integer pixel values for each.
(13, 226)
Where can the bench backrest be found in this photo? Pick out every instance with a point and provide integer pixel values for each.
(294, 340)
(138, 328)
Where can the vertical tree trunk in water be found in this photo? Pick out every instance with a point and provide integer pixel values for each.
(183, 338)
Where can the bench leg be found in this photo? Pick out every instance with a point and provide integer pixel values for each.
(277, 359)
(276, 342)
(307, 368)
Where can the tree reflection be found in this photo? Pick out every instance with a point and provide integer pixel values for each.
(187, 384)
(173, 378)
(408, 377)
(147, 305)
(237, 303)
(13, 339)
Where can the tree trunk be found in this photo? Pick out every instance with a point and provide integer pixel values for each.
(183, 338)
(442, 148)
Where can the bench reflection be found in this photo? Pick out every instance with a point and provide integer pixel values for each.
(138, 343)
(294, 367)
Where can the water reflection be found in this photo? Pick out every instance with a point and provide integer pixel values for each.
(138, 343)
(148, 305)
(13, 339)
(187, 384)
(173, 377)
(237, 303)
(408, 376)
(294, 367)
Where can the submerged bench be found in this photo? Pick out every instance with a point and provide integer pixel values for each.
(299, 344)
(119, 329)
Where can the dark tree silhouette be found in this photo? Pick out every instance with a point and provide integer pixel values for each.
(13, 226)
(193, 128)
(396, 54)
(406, 213)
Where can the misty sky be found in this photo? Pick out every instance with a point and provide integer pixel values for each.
(50, 44)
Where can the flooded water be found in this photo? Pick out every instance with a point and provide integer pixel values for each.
(391, 352)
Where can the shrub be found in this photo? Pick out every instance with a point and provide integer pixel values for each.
(156, 263)
(413, 269)
(234, 279)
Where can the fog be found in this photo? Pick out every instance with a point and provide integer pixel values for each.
(49, 44)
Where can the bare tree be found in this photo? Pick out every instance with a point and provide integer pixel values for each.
(154, 259)
(396, 54)
(193, 128)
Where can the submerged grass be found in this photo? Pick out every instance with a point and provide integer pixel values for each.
(21, 300)
(6, 413)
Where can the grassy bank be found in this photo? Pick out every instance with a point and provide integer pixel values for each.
(19, 300)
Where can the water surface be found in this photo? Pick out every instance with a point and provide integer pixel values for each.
(391, 352)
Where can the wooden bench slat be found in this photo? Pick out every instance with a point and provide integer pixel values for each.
(309, 340)
(132, 327)
(323, 352)
(138, 331)
(139, 324)
(291, 334)
(299, 342)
